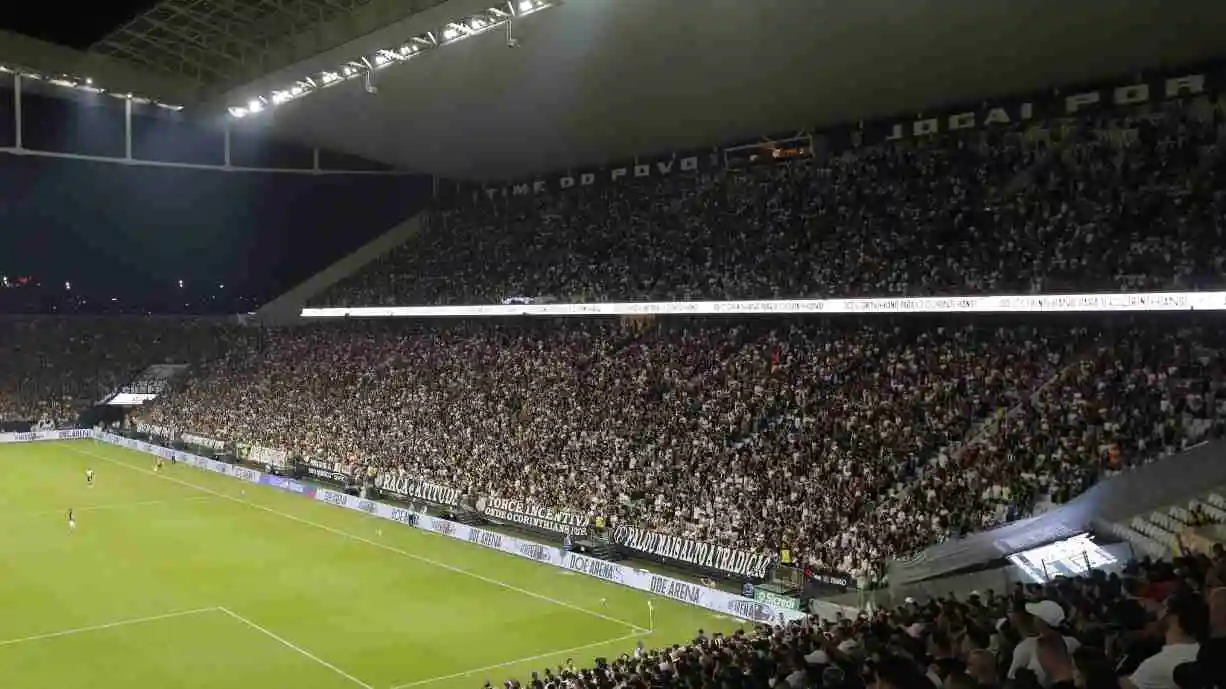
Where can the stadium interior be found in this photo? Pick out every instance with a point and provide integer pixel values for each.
(580, 344)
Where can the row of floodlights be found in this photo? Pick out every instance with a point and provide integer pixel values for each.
(453, 32)
(84, 84)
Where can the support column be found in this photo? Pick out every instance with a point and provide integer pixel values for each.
(127, 129)
(17, 138)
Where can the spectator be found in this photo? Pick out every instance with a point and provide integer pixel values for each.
(1046, 618)
(1186, 622)
(1212, 653)
(974, 212)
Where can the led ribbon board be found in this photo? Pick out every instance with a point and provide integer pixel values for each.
(1054, 303)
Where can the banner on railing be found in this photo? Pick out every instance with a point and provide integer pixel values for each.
(718, 558)
(203, 441)
(711, 599)
(824, 581)
(324, 470)
(35, 436)
(278, 459)
(534, 516)
(156, 431)
(409, 489)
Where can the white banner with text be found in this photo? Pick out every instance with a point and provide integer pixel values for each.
(35, 436)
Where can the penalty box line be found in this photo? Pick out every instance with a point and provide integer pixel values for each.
(518, 661)
(186, 613)
(294, 647)
(108, 625)
(637, 629)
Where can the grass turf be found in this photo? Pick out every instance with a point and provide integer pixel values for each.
(190, 579)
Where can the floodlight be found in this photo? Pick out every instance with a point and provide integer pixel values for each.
(453, 31)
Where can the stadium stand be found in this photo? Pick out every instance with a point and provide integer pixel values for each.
(845, 442)
(55, 368)
(839, 446)
(1066, 204)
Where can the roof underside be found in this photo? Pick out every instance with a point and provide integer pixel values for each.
(601, 80)
(221, 43)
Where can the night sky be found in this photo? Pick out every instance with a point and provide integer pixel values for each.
(89, 236)
(73, 28)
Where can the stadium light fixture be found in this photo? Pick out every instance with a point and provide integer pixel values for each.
(86, 84)
(453, 31)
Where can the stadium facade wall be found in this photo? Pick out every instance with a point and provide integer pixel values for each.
(643, 580)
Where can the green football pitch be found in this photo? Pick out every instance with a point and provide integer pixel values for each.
(188, 579)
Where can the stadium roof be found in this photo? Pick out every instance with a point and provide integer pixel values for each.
(594, 81)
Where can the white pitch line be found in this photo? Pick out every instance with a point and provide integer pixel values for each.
(108, 506)
(377, 544)
(109, 625)
(295, 647)
(517, 661)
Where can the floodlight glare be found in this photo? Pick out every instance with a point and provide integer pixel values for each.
(70, 81)
(453, 31)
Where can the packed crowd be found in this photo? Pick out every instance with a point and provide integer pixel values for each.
(844, 441)
(1156, 625)
(1126, 201)
(55, 368)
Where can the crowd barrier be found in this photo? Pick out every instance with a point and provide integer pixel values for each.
(643, 580)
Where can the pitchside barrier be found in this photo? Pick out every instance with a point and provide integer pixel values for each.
(643, 580)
